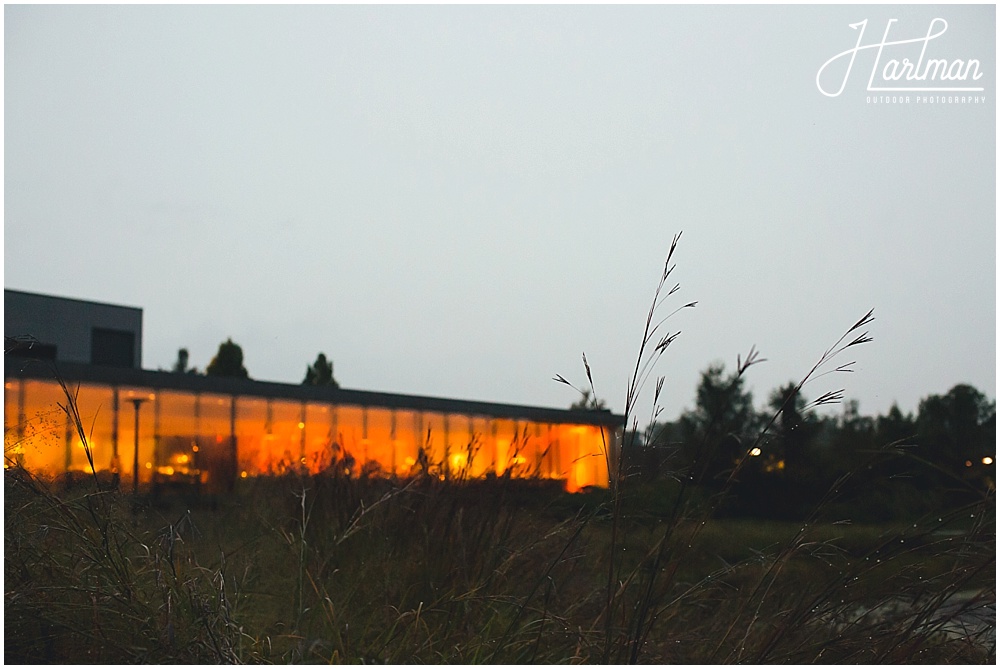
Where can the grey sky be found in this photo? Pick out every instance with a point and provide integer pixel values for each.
(459, 200)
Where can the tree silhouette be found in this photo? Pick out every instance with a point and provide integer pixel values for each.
(957, 427)
(722, 405)
(181, 366)
(895, 426)
(588, 403)
(320, 373)
(793, 432)
(228, 361)
(721, 424)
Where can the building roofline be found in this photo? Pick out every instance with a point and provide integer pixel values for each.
(70, 299)
(71, 372)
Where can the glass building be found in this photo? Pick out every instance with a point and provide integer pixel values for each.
(76, 398)
(211, 430)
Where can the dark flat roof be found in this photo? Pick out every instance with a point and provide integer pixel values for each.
(21, 368)
(60, 298)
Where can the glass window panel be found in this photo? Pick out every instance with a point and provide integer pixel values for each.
(175, 415)
(214, 457)
(462, 450)
(213, 416)
(407, 436)
(380, 453)
(508, 447)
(96, 405)
(485, 446)
(12, 429)
(175, 418)
(582, 455)
(530, 447)
(432, 442)
(43, 446)
(595, 443)
(567, 443)
(251, 428)
(551, 462)
(320, 425)
(351, 436)
(284, 442)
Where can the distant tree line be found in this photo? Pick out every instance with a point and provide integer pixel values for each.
(228, 361)
(785, 461)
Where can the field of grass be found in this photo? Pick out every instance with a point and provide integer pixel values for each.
(332, 569)
(365, 570)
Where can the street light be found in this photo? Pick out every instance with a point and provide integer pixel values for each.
(137, 402)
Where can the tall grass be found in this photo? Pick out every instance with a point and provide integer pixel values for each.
(774, 615)
(440, 568)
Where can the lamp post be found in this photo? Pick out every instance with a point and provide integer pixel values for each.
(137, 402)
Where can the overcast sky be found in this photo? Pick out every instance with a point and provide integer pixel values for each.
(458, 200)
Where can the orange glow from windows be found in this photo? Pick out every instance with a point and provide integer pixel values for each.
(182, 433)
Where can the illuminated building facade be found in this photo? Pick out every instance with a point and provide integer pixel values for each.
(213, 430)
